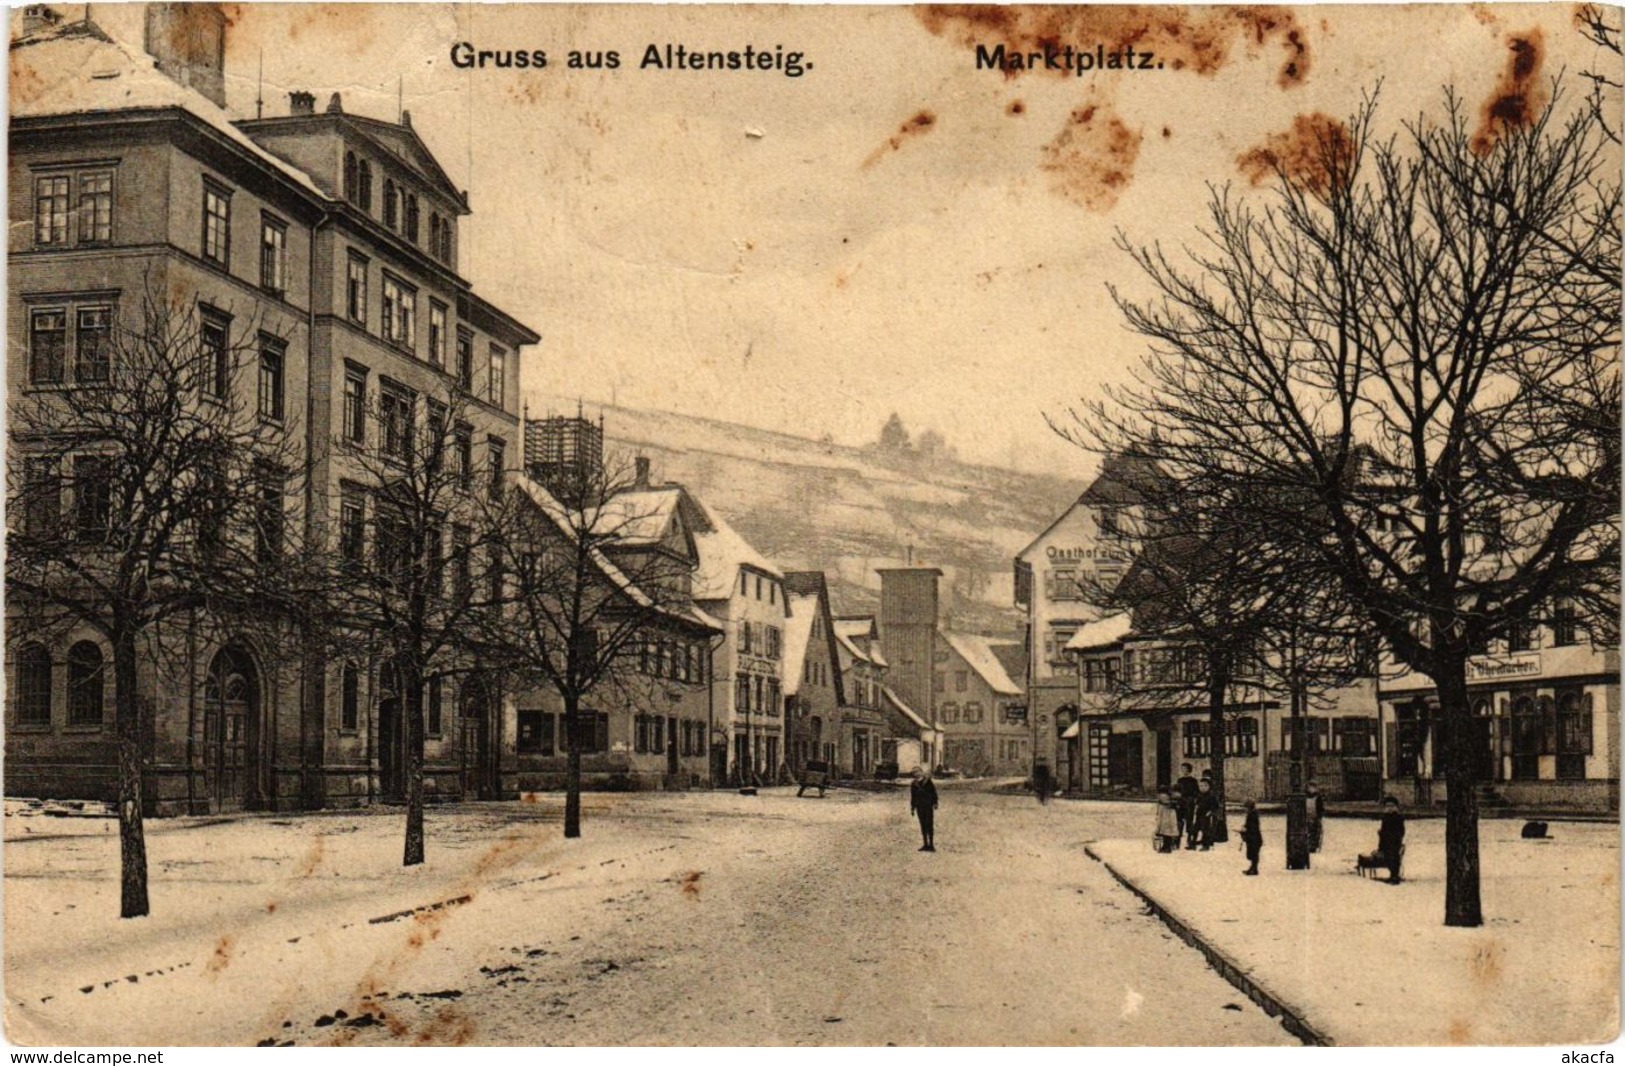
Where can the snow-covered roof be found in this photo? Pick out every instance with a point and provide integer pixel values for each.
(1103, 633)
(640, 516)
(904, 709)
(797, 638)
(77, 69)
(560, 516)
(978, 652)
(847, 633)
(722, 552)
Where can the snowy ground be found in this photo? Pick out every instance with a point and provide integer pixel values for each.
(700, 918)
(1371, 963)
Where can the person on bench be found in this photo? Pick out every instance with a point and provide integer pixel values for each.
(1390, 841)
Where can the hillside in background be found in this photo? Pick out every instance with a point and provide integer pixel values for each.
(811, 505)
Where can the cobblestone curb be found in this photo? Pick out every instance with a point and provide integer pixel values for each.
(1291, 1020)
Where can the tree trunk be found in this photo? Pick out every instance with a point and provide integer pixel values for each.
(1462, 906)
(412, 690)
(572, 773)
(1218, 684)
(127, 721)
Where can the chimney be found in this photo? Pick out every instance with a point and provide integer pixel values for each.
(301, 103)
(335, 105)
(189, 42)
(642, 480)
(406, 119)
(40, 17)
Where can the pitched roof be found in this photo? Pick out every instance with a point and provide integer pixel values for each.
(797, 637)
(1123, 480)
(1013, 657)
(978, 652)
(641, 516)
(722, 553)
(1103, 633)
(896, 703)
(77, 69)
(560, 516)
(847, 632)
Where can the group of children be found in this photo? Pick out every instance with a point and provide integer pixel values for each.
(1194, 815)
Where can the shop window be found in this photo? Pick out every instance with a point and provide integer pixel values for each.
(1526, 738)
(1574, 728)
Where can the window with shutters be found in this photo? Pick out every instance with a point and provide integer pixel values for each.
(1196, 738)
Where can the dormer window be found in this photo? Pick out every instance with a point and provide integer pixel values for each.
(411, 214)
(391, 208)
(363, 185)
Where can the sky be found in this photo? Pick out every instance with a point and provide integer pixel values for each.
(893, 230)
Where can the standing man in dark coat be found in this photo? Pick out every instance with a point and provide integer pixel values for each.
(922, 803)
(1391, 837)
(1041, 785)
(1185, 798)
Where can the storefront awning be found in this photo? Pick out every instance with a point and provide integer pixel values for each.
(1072, 730)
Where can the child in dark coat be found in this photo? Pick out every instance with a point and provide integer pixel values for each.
(1252, 839)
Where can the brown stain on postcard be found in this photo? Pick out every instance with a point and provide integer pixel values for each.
(1091, 160)
(922, 123)
(1519, 95)
(1308, 153)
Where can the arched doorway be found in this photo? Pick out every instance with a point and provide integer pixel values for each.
(231, 732)
(477, 750)
(391, 736)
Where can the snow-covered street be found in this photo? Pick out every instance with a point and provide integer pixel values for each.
(693, 918)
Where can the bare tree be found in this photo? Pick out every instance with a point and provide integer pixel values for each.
(413, 556)
(1601, 26)
(1408, 360)
(596, 581)
(179, 487)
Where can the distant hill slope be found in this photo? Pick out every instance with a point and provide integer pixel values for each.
(846, 511)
